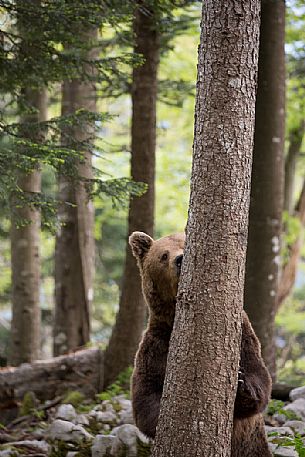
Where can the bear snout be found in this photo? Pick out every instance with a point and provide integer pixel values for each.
(178, 263)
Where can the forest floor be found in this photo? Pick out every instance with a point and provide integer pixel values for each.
(77, 427)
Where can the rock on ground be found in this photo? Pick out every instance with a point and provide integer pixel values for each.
(67, 431)
(299, 392)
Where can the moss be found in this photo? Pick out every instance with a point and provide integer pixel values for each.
(94, 427)
(61, 448)
(74, 398)
(123, 452)
(84, 449)
(144, 449)
(85, 408)
(28, 405)
(120, 387)
(8, 447)
(116, 406)
(277, 407)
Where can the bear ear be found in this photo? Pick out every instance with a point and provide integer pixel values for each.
(140, 244)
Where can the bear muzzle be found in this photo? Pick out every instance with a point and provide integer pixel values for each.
(178, 263)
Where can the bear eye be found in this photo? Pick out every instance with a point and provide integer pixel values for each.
(164, 256)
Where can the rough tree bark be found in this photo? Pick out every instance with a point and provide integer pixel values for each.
(74, 255)
(196, 413)
(129, 324)
(25, 251)
(267, 190)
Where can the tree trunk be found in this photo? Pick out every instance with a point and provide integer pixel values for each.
(295, 142)
(81, 371)
(288, 274)
(197, 414)
(265, 218)
(130, 320)
(25, 251)
(74, 255)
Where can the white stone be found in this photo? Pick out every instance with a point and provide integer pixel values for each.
(126, 416)
(280, 451)
(106, 405)
(106, 417)
(126, 438)
(66, 412)
(9, 453)
(280, 418)
(67, 431)
(82, 419)
(298, 407)
(122, 401)
(282, 431)
(39, 446)
(102, 445)
(299, 392)
(297, 426)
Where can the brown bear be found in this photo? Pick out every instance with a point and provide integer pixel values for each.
(160, 264)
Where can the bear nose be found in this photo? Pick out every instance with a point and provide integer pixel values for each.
(178, 260)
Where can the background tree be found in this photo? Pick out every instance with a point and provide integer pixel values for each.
(216, 243)
(295, 142)
(129, 324)
(267, 188)
(25, 221)
(25, 251)
(75, 251)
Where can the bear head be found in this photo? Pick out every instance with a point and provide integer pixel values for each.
(159, 262)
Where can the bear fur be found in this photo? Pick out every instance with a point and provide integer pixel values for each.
(160, 263)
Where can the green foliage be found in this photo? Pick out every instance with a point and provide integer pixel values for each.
(144, 449)
(295, 441)
(120, 387)
(277, 407)
(41, 47)
(274, 407)
(13, 451)
(118, 189)
(61, 448)
(295, 37)
(74, 397)
(290, 325)
(292, 231)
(39, 414)
(28, 405)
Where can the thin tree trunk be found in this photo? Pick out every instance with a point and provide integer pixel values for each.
(25, 252)
(129, 324)
(296, 138)
(197, 414)
(74, 255)
(265, 218)
(288, 274)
